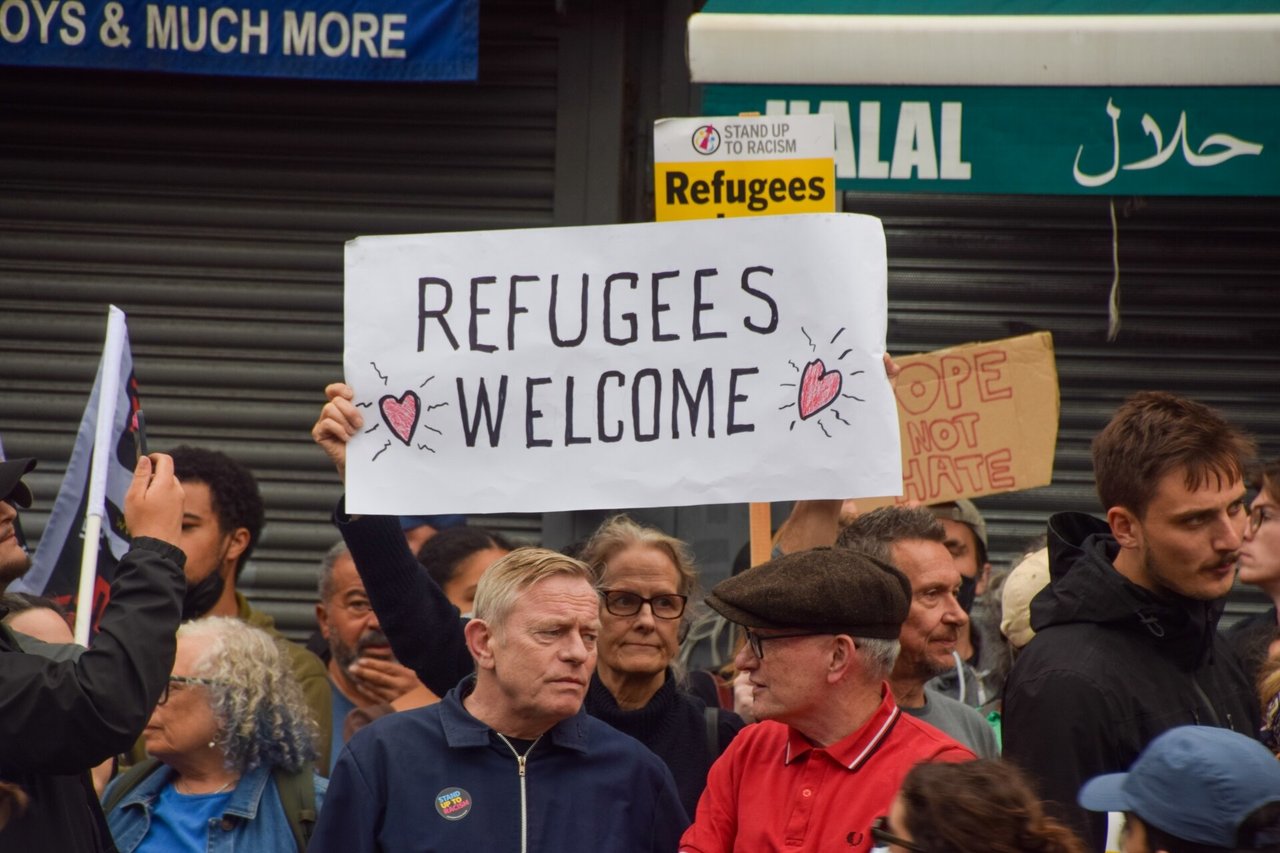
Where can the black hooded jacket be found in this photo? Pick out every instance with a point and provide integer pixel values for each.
(1111, 666)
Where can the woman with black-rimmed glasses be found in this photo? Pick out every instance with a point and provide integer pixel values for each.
(646, 579)
(984, 806)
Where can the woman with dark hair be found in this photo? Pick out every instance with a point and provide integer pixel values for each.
(457, 556)
(984, 806)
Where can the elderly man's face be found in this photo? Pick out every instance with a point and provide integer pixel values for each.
(787, 680)
(347, 619)
(545, 652)
(929, 635)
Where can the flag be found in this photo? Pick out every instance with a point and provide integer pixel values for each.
(56, 566)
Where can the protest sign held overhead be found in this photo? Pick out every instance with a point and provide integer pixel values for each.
(978, 419)
(654, 364)
(743, 166)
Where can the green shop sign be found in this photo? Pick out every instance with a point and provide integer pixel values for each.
(1037, 140)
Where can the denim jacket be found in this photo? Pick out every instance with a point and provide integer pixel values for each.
(254, 820)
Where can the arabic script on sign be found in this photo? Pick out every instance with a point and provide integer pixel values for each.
(1216, 148)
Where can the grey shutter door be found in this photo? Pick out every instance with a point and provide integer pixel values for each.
(1200, 316)
(213, 210)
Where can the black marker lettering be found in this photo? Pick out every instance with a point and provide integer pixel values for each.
(650, 373)
(514, 308)
(622, 381)
(633, 280)
(476, 311)
(555, 330)
(735, 398)
(531, 414)
(692, 403)
(699, 306)
(469, 430)
(772, 325)
(438, 313)
(569, 437)
(660, 307)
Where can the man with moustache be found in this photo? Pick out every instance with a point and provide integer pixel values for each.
(508, 759)
(350, 627)
(1125, 645)
(914, 542)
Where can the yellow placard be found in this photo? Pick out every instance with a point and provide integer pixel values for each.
(707, 190)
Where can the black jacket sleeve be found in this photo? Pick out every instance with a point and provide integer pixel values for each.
(420, 622)
(63, 717)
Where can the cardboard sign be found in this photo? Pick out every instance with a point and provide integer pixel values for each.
(743, 166)
(978, 419)
(656, 364)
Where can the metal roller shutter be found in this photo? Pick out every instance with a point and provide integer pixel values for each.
(1198, 281)
(214, 210)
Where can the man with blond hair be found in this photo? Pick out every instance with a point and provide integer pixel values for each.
(508, 760)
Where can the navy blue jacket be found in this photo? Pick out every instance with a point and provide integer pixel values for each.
(438, 779)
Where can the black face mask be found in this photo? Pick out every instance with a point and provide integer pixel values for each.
(968, 588)
(200, 598)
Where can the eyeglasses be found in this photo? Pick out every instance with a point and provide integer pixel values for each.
(1258, 516)
(756, 641)
(881, 835)
(185, 680)
(619, 602)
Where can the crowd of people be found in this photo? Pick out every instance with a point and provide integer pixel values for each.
(885, 689)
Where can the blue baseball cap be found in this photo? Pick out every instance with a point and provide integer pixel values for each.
(1197, 783)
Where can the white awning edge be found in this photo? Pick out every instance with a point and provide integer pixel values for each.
(986, 50)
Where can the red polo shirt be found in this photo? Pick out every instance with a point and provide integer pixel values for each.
(774, 790)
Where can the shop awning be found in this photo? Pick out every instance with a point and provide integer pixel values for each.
(1122, 97)
(1044, 44)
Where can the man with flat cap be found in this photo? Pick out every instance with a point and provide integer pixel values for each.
(58, 718)
(833, 747)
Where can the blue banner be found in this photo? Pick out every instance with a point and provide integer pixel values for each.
(328, 39)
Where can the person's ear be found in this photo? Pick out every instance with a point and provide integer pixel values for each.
(984, 576)
(840, 658)
(322, 620)
(237, 543)
(1125, 527)
(480, 642)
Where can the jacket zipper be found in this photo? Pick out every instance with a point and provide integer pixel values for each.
(521, 762)
(1213, 715)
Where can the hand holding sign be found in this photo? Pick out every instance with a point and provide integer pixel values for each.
(339, 420)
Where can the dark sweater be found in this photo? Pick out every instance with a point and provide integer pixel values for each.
(674, 726)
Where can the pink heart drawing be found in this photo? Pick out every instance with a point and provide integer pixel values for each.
(818, 388)
(401, 414)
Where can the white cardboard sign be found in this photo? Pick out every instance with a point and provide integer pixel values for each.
(657, 364)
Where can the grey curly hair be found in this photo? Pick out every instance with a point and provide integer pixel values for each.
(262, 715)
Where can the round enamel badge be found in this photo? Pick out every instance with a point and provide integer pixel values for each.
(453, 803)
